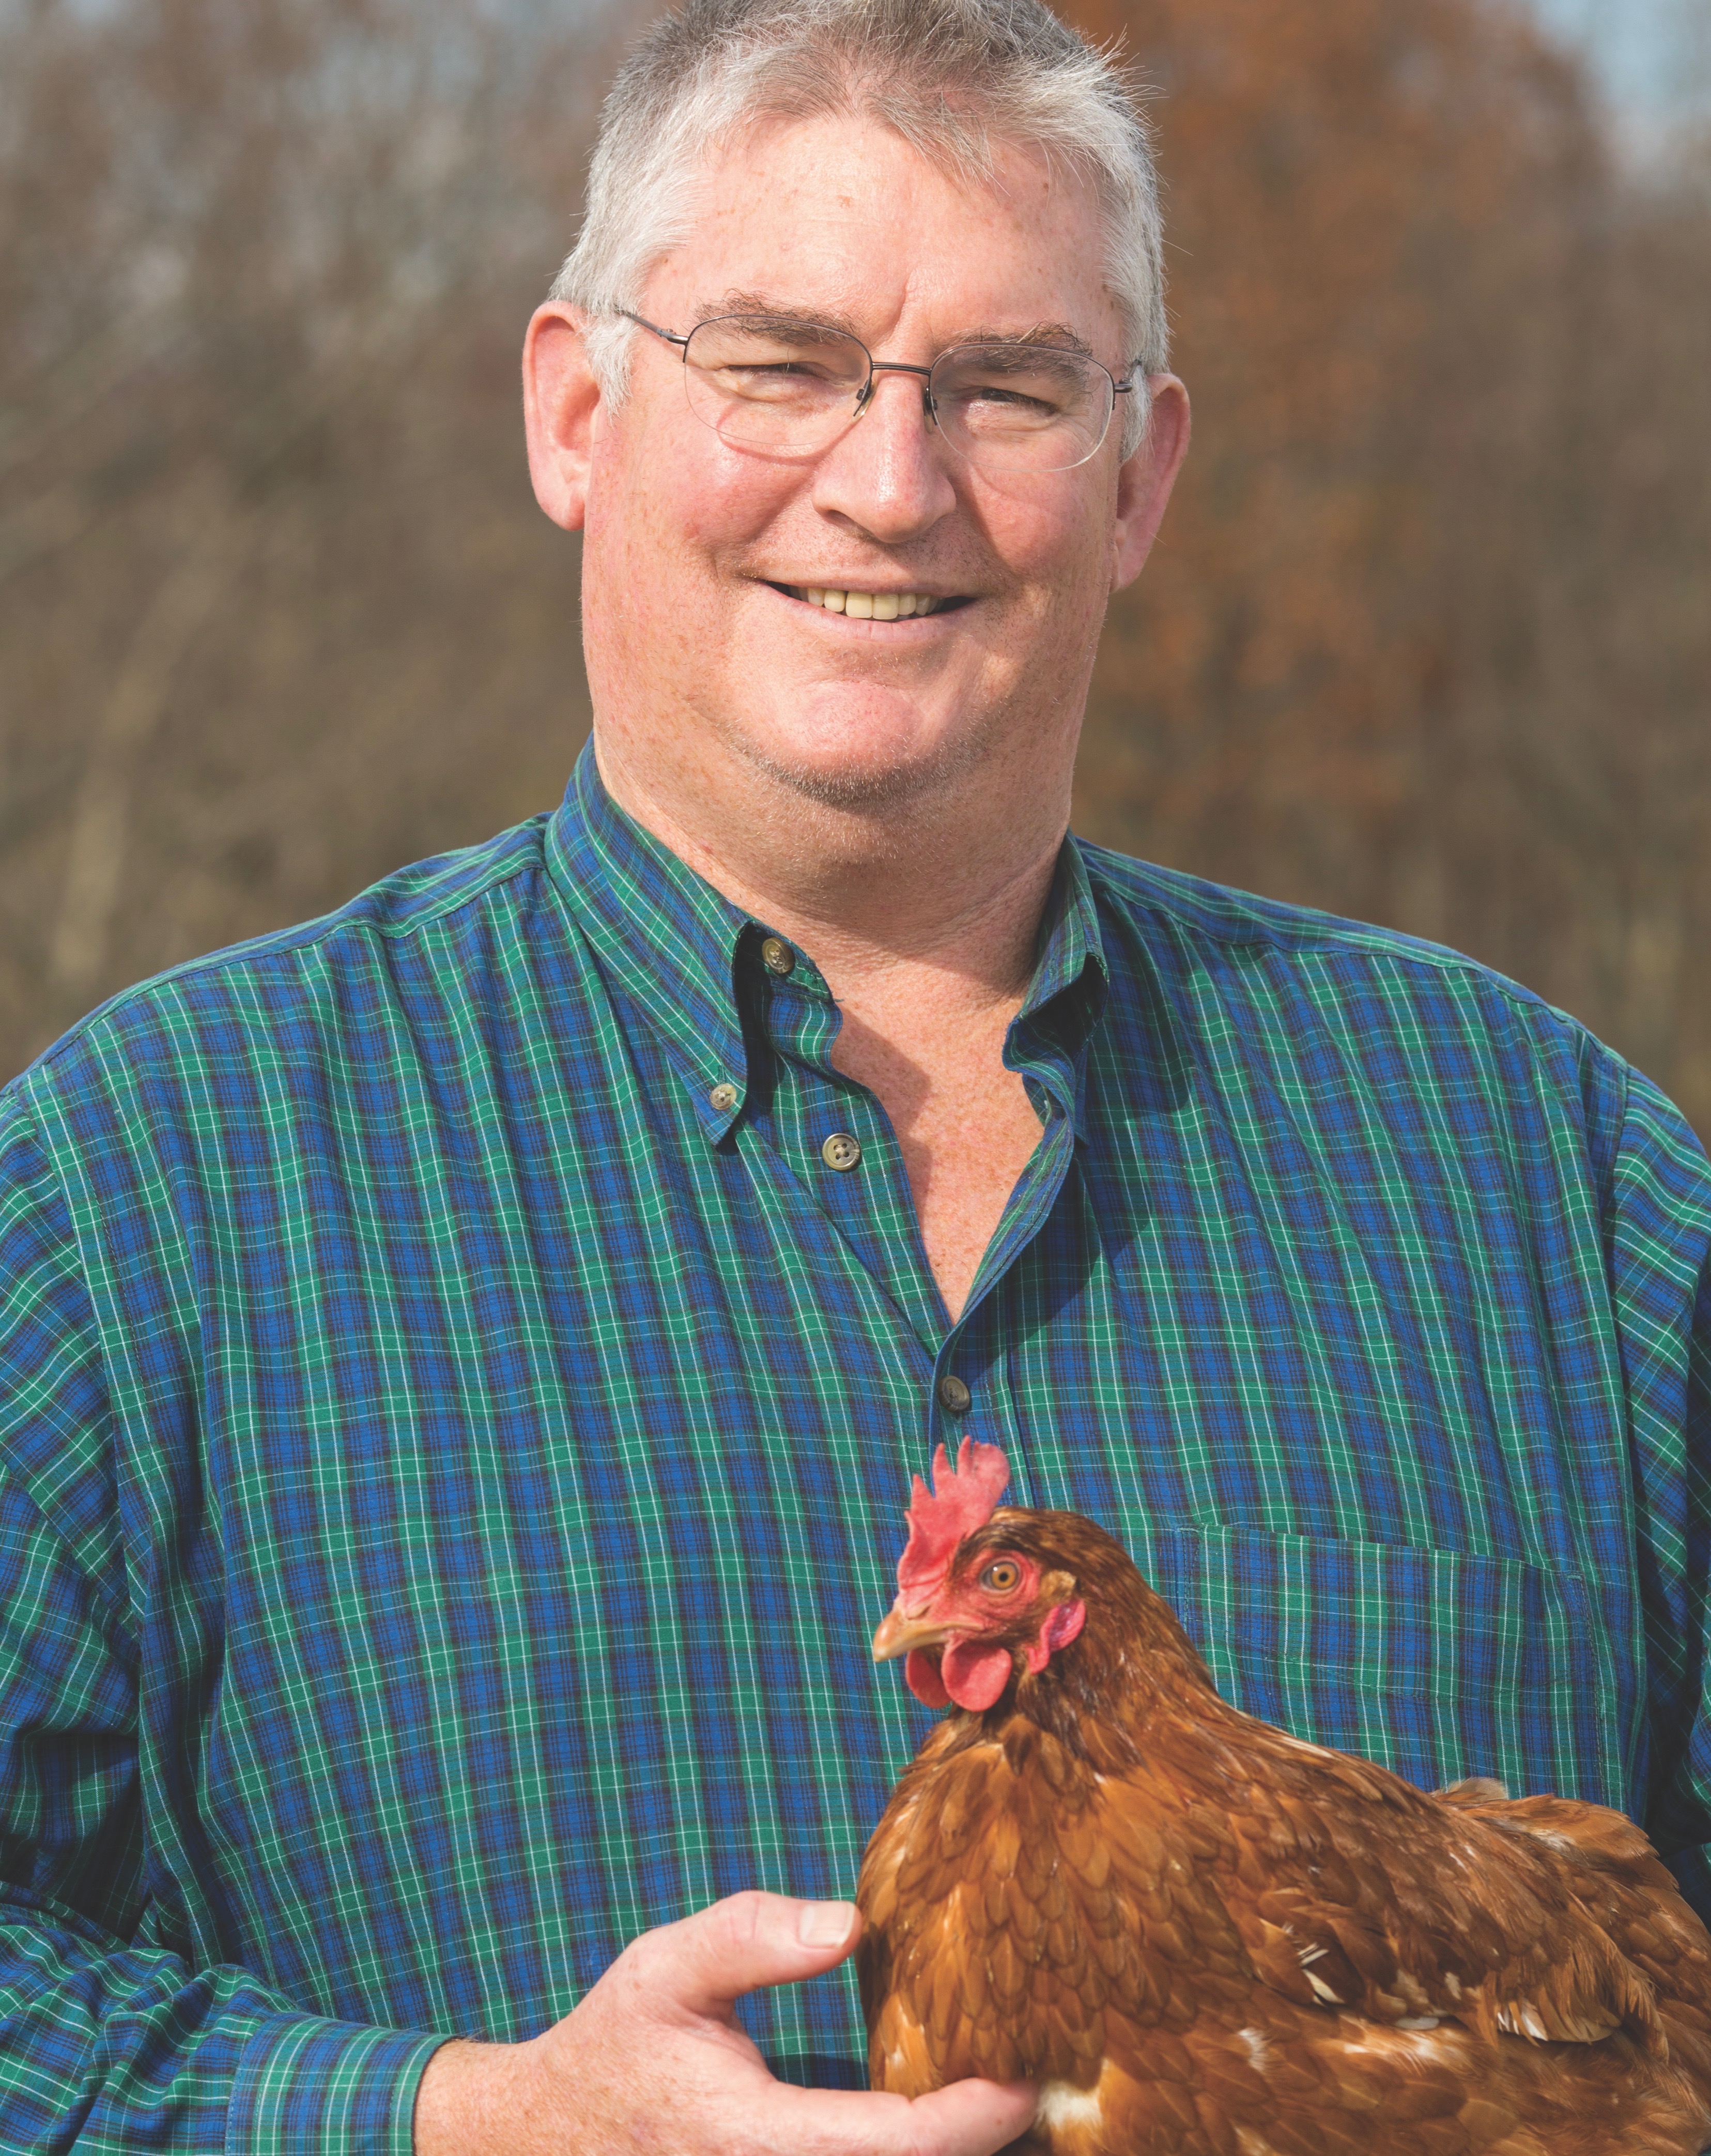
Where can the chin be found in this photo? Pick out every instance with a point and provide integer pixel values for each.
(865, 775)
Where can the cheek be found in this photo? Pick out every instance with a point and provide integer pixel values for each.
(661, 528)
(1057, 542)
(678, 498)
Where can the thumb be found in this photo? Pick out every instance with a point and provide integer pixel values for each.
(708, 1961)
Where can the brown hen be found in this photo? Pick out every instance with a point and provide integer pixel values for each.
(1200, 1935)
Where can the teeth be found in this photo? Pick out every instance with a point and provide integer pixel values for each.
(870, 606)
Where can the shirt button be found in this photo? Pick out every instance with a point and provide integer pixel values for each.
(840, 1151)
(954, 1396)
(722, 1097)
(777, 956)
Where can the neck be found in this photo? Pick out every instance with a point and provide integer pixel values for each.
(947, 890)
(1132, 1661)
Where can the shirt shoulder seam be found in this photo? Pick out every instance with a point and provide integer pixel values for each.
(32, 1133)
(1317, 932)
(281, 943)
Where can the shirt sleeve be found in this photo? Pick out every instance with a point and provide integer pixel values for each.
(107, 2042)
(1659, 1246)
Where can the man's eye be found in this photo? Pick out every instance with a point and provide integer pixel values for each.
(1012, 398)
(1002, 1575)
(790, 383)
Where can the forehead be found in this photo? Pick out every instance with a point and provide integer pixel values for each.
(841, 216)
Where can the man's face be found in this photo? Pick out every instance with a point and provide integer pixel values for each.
(702, 656)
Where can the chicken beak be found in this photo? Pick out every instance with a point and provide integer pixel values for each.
(901, 1630)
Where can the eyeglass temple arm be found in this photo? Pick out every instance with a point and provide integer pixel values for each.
(643, 323)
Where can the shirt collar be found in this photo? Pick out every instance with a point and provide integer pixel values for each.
(1048, 1037)
(682, 951)
(662, 933)
(1070, 954)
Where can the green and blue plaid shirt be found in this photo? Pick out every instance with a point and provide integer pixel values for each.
(454, 1426)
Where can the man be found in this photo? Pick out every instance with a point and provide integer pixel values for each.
(465, 1357)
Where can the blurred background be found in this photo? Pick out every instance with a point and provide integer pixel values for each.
(1427, 638)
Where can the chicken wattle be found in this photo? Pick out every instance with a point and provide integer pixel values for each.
(1199, 1934)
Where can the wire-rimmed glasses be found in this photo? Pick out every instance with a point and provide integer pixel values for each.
(790, 388)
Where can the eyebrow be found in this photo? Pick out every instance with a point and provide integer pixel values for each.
(1053, 333)
(778, 314)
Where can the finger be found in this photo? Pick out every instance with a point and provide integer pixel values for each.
(706, 1961)
(969, 2118)
(973, 2119)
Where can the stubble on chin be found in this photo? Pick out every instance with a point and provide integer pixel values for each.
(881, 788)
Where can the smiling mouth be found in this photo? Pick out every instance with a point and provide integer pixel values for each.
(871, 606)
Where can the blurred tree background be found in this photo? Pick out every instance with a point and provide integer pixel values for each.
(277, 610)
(1426, 639)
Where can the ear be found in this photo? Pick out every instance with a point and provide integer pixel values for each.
(1064, 1624)
(561, 411)
(1145, 480)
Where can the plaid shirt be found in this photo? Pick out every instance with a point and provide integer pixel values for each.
(455, 1424)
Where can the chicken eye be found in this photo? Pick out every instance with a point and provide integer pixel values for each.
(1002, 1574)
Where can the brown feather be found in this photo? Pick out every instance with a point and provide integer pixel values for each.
(1200, 1934)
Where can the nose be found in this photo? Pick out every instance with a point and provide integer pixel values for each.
(886, 476)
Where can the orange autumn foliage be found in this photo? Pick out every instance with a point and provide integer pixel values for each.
(1394, 654)
(1425, 638)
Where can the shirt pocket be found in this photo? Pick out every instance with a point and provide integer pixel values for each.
(1435, 1663)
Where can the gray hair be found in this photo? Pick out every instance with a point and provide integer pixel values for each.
(952, 77)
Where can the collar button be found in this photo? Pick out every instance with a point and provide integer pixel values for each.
(841, 1152)
(722, 1097)
(777, 956)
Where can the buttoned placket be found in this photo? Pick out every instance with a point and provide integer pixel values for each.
(831, 1133)
(969, 1392)
(841, 1143)
(745, 995)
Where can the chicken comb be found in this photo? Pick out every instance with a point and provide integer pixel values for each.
(961, 1499)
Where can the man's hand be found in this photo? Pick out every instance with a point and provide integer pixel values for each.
(652, 2060)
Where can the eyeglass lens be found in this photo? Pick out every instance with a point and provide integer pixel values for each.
(792, 387)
